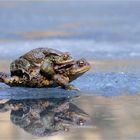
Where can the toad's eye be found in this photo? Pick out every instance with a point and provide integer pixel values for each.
(65, 56)
(81, 63)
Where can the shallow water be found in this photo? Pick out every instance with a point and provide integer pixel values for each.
(109, 118)
(111, 99)
(106, 33)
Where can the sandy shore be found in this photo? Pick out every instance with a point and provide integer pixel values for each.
(4, 65)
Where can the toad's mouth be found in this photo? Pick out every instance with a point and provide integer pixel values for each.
(74, 67)
(81, 70)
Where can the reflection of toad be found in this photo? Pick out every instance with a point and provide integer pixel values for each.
(44, 117)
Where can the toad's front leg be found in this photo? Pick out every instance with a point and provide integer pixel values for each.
(64, 82)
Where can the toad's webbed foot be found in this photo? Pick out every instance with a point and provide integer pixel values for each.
(71, 87)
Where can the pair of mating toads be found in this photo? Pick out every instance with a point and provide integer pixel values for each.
(45, 67)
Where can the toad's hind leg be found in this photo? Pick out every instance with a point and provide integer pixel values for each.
(3, 77)
(7, 79)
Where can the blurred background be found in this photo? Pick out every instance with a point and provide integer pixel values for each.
(106, 33)
(99, 28)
